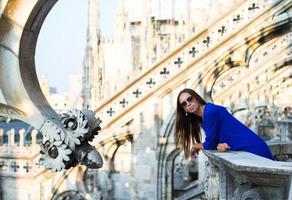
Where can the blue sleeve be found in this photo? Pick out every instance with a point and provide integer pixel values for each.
(212, 129)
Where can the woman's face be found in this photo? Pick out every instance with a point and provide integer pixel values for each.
(188, 102)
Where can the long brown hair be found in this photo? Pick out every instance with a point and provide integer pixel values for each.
(187, 128)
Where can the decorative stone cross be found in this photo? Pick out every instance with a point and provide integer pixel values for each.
(237, 18)
(27, 167)
(14, 166)
(213, 92)
(230, 78)
(178, 62)
(222, 85)
(123, 103)
(110, 112)
(193, 52)
(151, 82)
(165, 72)
(253, 7)
(207, 41)
(222, 30)
(274, 47)
(3, 164)
(137, 93)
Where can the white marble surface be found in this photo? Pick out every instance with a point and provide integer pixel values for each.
(244, 161)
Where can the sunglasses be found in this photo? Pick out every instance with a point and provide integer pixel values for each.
(189, 99)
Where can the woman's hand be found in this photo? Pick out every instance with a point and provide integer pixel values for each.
(196, 148)
(222, 147)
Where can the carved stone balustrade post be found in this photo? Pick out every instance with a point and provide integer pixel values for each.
(8, 149)
(34, 133)
(1, 136)
(21, 137)
(11, 134)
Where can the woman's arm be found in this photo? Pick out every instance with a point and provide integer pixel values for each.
(212, 128)
(221, 147)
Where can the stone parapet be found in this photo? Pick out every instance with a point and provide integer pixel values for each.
(21, 147)
(242, 175)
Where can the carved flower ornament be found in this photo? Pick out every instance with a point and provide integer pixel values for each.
(65, 147)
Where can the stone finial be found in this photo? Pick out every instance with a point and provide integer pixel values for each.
(11, 141)
(34, 133)
(21, 137)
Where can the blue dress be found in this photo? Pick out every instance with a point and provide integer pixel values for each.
(221, 127)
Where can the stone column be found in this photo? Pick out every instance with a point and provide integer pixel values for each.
(8, 141)
(21, 137)
(34, 132)
(11, 141)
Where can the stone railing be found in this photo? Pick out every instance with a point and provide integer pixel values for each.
(281, 150)
(242, 175)
(20, 147)
(176, 63)
(19, 152)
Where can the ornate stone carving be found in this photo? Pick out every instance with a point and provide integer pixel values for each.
(97, 184)
(52, 132)
(211, 186)
(54, 155)
(251, 194)
(270, 121)
(65, 148)
(184, 172)
(75, 121)
(71, 194)
(243, 193)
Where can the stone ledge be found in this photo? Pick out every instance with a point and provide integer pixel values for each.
(248, 162)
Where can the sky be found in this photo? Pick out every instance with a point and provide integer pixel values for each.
(62, 40)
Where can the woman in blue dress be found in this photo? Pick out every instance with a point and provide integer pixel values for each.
(222, 130)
